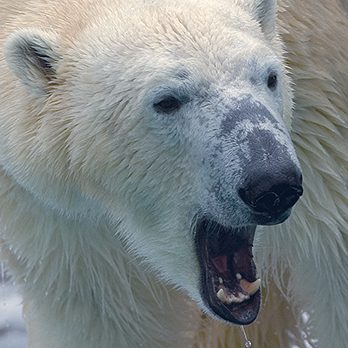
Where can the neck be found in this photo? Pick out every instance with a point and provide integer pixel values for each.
(79, 283)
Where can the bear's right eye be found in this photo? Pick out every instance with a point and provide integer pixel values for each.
(167, 105)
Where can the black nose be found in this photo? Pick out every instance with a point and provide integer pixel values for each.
(273, 192)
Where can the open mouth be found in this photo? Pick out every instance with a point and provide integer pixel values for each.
(229, 286)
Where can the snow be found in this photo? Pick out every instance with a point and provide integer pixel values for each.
(12, 329)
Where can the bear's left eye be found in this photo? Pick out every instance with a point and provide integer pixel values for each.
(167, 105)
(272, 81)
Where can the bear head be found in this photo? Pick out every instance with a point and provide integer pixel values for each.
(171, 120)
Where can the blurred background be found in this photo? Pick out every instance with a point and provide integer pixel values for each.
(12, 330)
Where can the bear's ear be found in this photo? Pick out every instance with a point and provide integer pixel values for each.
(264, 11)
(32, 57)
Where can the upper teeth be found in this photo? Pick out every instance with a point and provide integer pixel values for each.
(250, 288)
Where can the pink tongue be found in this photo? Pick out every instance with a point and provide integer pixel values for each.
(220, 263)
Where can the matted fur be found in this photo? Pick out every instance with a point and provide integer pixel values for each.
(307, 257)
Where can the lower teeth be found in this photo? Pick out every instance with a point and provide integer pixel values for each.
(249, 289)
(224, 297)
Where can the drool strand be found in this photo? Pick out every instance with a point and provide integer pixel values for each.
(247, 343)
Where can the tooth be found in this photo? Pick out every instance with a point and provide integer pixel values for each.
(230, 298)
(250, 288)
(220, 280)
(221, 295)
(236, 299)
(243, 296)
(238, 276)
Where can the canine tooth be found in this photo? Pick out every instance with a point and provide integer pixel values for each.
(238, 276)
(220, 280)
(221, 295)
(250, 288)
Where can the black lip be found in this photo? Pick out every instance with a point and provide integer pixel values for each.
(239, 237)
(268, 220)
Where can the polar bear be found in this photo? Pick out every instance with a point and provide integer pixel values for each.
(142, 143)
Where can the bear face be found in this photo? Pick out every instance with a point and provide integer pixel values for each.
(178, 135)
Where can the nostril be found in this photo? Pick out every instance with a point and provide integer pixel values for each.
(291, 195)
(276, 200)
(267, 202)
(297, 189)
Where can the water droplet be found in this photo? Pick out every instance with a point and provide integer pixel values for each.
(247, 343)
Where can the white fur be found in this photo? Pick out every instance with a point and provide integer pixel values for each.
(96, 225)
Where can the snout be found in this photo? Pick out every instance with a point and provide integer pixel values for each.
(272, 189)
(257, 145)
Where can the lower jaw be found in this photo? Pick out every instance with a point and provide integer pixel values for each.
(240, 314)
